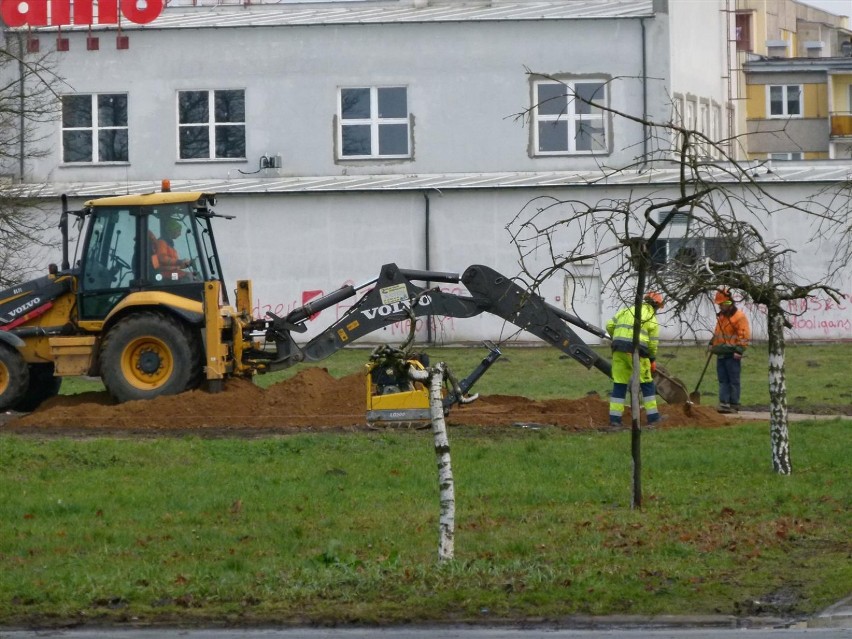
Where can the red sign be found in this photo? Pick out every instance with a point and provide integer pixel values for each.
(55, 13)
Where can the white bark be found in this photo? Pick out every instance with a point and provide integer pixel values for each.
(446, 485)
(447, 520)
(778, 431)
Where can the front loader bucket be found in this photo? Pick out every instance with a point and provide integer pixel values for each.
(671, 388)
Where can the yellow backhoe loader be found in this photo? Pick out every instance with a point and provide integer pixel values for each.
(144, 307)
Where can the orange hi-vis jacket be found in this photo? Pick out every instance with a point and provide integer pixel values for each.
(167, 259)
(732, 334)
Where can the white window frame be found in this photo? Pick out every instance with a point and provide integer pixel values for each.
(95, 129)
(716, 129)
(211, 125)
(678, 114)
(698, 246)
(786, 157)
(785, 99)
(375, 122)
(691, 116)
(571, 117)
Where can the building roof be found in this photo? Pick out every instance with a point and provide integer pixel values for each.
(780, 172)
(265, 15)
(797, 65)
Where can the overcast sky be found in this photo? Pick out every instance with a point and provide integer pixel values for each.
(839, 7)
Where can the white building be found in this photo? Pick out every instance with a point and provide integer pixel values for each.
(344, 135)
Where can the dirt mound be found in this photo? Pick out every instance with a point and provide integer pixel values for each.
(311, 400)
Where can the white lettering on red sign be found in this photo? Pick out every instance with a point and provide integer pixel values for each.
(55, 13)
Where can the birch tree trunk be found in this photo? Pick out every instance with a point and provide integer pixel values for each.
(447, 519)
(778, 431)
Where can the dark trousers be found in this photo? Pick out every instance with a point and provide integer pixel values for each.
(728, 372)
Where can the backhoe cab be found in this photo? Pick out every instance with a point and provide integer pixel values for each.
(130, 309)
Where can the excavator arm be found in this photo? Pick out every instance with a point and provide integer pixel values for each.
(394, 296)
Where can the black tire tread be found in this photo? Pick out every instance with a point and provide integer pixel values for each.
(179, 338)
(43, 385)
(19, 377)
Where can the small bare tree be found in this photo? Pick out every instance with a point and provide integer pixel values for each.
(726, 208)
(27, 99)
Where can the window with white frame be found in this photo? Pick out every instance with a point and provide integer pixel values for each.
(691, 119)
(568, 119)
(94, 128)
(212, 124)
(704, 128)
(716, 130)
(678, 122)
(373, 122)
(683, 251)
(787, 157)
(784, 100)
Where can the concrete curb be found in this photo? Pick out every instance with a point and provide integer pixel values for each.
(791, 417)
(838, 615)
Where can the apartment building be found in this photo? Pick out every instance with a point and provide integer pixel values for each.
(797, 69)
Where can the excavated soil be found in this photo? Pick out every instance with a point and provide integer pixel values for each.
(311, 400)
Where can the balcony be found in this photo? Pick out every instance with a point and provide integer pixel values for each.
(841, 125)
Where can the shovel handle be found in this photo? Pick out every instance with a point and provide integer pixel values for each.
(706, 364)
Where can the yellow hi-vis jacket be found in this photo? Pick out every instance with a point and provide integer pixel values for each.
(620, 328)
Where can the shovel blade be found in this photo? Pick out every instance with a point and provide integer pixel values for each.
(695, 397)
(670, 388)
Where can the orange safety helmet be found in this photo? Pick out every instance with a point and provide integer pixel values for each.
(654, 299)
(723, 296)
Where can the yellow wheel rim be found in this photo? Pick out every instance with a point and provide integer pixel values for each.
(4, 378)
(147, 363)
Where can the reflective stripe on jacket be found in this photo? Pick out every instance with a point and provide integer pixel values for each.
(620, 328)
(732, 334)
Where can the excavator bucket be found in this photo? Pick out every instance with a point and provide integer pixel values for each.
(670, 388)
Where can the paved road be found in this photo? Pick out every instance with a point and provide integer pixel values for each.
(442, 633)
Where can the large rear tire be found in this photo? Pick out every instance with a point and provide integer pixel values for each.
(42, 386)
(147, 355)
(14, 377)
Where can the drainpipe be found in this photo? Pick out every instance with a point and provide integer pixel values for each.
(644, 96)
(21, 105)
(428, 265)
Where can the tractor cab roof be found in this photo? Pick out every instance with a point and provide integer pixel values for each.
(154, 199)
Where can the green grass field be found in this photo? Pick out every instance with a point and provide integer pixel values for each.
(343, 527)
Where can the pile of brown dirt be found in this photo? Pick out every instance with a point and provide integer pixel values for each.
(311, 400)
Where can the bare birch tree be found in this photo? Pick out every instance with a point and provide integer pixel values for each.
(28, 98)
(725, 211)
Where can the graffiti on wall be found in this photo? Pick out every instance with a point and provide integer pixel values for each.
(818, 317)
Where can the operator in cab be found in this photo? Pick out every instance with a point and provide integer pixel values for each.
(167, 260)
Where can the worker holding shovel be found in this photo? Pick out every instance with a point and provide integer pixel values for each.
(620, 329)
(730, 341)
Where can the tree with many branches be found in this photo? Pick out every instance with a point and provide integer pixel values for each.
(710, 223)
(27, 98)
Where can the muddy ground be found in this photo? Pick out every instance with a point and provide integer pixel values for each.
(312, 400)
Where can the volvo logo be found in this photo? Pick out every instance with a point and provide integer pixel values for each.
(23, 308)
(396, 307)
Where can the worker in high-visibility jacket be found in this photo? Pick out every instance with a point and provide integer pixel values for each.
(620, 328)
(730, 341)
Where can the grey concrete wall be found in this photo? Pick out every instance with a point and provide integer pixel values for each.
(290, 244)
(782, 136)
(467, 82)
